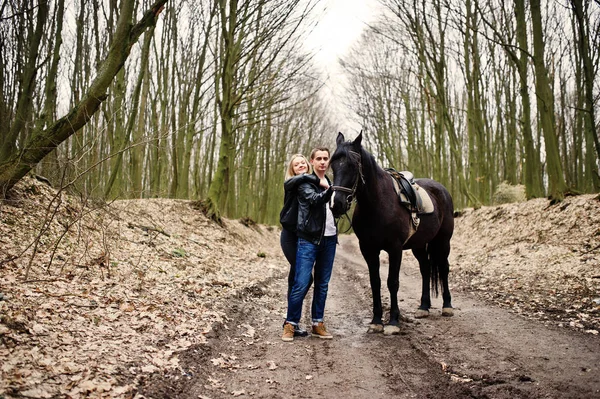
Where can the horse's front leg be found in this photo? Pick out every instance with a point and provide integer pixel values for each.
(393, 284)
(372, 259)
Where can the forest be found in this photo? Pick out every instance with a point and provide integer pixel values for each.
(207, 99)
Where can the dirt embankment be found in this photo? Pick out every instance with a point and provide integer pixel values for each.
(96, 296)
(536, 259)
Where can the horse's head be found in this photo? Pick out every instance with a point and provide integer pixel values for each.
(346, 163)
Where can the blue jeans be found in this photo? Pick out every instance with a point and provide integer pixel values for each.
(289, 246)
(321, 256)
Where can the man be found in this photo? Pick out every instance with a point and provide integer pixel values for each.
(317, 239)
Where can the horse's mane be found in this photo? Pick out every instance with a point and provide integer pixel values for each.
(369, 165)
(367, 159)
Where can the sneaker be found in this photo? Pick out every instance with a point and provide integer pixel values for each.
(300, 332)
(288, 332)
(320, 331)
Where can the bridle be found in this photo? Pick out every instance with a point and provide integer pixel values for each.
(359, 176)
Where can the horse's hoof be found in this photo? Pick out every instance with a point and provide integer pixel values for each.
(421, 313)
(447, 312)
(375, 328)
(391, 330)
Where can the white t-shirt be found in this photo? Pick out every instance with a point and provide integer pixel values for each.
(330, 229)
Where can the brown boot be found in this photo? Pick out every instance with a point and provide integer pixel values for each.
(288, 332)
(320, 331)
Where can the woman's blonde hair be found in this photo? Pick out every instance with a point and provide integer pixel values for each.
(289, 171)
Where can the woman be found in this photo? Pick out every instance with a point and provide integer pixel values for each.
(317, 239)
(297, 172)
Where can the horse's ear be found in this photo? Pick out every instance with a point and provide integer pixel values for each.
(357, 140)
(340, 138)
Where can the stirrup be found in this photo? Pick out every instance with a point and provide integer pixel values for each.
(415, 219)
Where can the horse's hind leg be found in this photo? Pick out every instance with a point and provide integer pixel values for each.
(439, 256)
(425, 268)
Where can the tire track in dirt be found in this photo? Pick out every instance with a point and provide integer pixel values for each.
(409, 371)
(481, 352)
(246, 357)
(494, 353)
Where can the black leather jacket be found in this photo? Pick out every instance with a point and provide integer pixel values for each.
(312, 207)
(288, 217)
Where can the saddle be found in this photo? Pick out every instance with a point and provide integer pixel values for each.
(411, 195)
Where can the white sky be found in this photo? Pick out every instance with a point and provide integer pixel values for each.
(339, 28)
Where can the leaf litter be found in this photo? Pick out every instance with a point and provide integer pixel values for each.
(538, 260)
(114, 291)
(96, 297)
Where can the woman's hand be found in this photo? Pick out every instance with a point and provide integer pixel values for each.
(323, 183)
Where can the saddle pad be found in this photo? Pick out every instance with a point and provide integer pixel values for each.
(425, 200)
(427, 204)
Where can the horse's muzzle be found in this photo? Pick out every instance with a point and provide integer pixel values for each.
(340, 203)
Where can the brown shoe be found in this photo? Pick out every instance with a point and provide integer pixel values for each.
(320, 331)
(288, 332)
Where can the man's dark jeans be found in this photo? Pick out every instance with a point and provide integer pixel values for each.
(321, 256)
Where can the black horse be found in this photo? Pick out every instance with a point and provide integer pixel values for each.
(381, 222)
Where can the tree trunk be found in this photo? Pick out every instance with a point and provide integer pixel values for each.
(139, 149)
(51, 168)
(533, 180)
(17, 163)
(8, 147)
(589, 72)
(217, 193)
(131, 121)
(118, 139)
(545, 101)
(510, 166)
(266, 160)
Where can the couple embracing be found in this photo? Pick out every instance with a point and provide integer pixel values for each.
(308, 240)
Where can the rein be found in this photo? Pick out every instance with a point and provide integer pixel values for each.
(349, 221)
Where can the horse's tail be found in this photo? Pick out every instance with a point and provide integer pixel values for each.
(434, 275)
(439, 266)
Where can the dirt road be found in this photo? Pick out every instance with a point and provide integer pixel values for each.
(481, 352)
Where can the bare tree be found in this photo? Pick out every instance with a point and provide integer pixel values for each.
(16, 160)
(583, 34)
(278, 23)
(545, 106)
(26, 90)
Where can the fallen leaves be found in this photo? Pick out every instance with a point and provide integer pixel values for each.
(226, 361)
(271, 364)
(535, 259)
(75, 330)
(250, 331)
